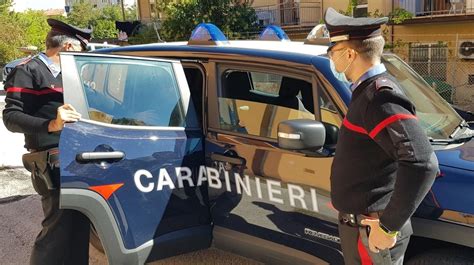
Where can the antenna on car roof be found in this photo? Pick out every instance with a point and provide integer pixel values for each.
(207, 34)
(274, 33)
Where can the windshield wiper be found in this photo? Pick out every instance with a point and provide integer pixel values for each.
(462, 125)
(467, 135)
(450, 141)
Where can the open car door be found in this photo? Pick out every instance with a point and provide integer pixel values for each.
(131, 164)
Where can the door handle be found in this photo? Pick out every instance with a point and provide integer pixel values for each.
(99, 156)
(237, 161)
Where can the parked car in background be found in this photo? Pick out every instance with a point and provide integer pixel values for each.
(92, 46)
(29, 50)
(9, 66)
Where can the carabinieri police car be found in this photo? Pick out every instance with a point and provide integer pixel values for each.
(191, 144)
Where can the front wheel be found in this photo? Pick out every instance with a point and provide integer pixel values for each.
(452, 256)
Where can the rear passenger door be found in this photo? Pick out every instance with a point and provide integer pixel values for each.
(266, 192)
(132, 163)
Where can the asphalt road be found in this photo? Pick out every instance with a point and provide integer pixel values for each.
(21, 214)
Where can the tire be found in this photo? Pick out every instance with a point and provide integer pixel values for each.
(452, 256)
(94, 240)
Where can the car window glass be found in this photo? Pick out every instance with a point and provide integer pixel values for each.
(329, 112)
(255, 103)
(116, 81)
(131, 92)
(266, 84)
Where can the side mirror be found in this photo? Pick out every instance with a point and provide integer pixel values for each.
(303, 134)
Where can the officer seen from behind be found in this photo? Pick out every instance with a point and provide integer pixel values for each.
(384, 164)
(35, 107)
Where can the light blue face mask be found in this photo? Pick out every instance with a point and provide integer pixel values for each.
(341, 76)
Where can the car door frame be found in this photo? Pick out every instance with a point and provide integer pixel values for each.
(307, 72)
(89, 202)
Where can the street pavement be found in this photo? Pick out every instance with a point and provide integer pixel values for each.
(21, 214)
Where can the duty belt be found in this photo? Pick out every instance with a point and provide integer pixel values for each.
(52, 156)
(355, 219)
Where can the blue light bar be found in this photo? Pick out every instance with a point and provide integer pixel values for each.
(207, 34)
(274, 33)
(319, 35)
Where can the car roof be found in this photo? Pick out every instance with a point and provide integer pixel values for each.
(290, 51)
(282, 50)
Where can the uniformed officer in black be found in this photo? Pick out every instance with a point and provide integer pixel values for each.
(34, 107)
(384, 164)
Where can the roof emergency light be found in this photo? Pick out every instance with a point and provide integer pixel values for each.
(319, 35)
(274, 33)
(207, 34)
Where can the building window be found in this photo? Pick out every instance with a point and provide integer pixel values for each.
(429, 60)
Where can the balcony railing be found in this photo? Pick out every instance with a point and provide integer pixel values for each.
(423, 8)
(290, 14)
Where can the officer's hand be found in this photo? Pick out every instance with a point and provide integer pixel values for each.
(378, 239)
(66, 113)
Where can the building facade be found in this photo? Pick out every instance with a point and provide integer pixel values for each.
(95, 3)
(437, 41)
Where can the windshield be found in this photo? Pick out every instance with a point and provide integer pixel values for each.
(436, 116)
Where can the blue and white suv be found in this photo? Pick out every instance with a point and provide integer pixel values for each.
(192, 144)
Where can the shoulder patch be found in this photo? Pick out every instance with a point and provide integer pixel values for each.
(385, 82)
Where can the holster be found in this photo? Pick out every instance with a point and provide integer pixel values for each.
(41, 165)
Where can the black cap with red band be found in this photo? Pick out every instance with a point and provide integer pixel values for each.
(342, 28)
(83, 35)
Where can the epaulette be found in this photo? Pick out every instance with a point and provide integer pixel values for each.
(384, 82)
(26, 60)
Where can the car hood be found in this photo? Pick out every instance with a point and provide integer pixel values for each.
(461, 157)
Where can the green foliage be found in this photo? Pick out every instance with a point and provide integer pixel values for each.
(376, 13)
(146, 34)
(5, 5)
(21, 29)
(35, 27)
(350, 7)
(30, 27)
(104, 29)
(398, 15)
(111, 13)
(131, 13)
(102, 21)
(229, 15)
(11, 36)
(82, 15)
(182, 18)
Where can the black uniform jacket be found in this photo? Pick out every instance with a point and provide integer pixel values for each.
(33, 96)
(384, 161)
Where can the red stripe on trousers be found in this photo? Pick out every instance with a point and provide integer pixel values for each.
(35, 92)
(389, 121)
(364, 255)
(353, 127)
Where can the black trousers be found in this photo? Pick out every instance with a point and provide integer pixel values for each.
(64, 238)
(354, 243)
